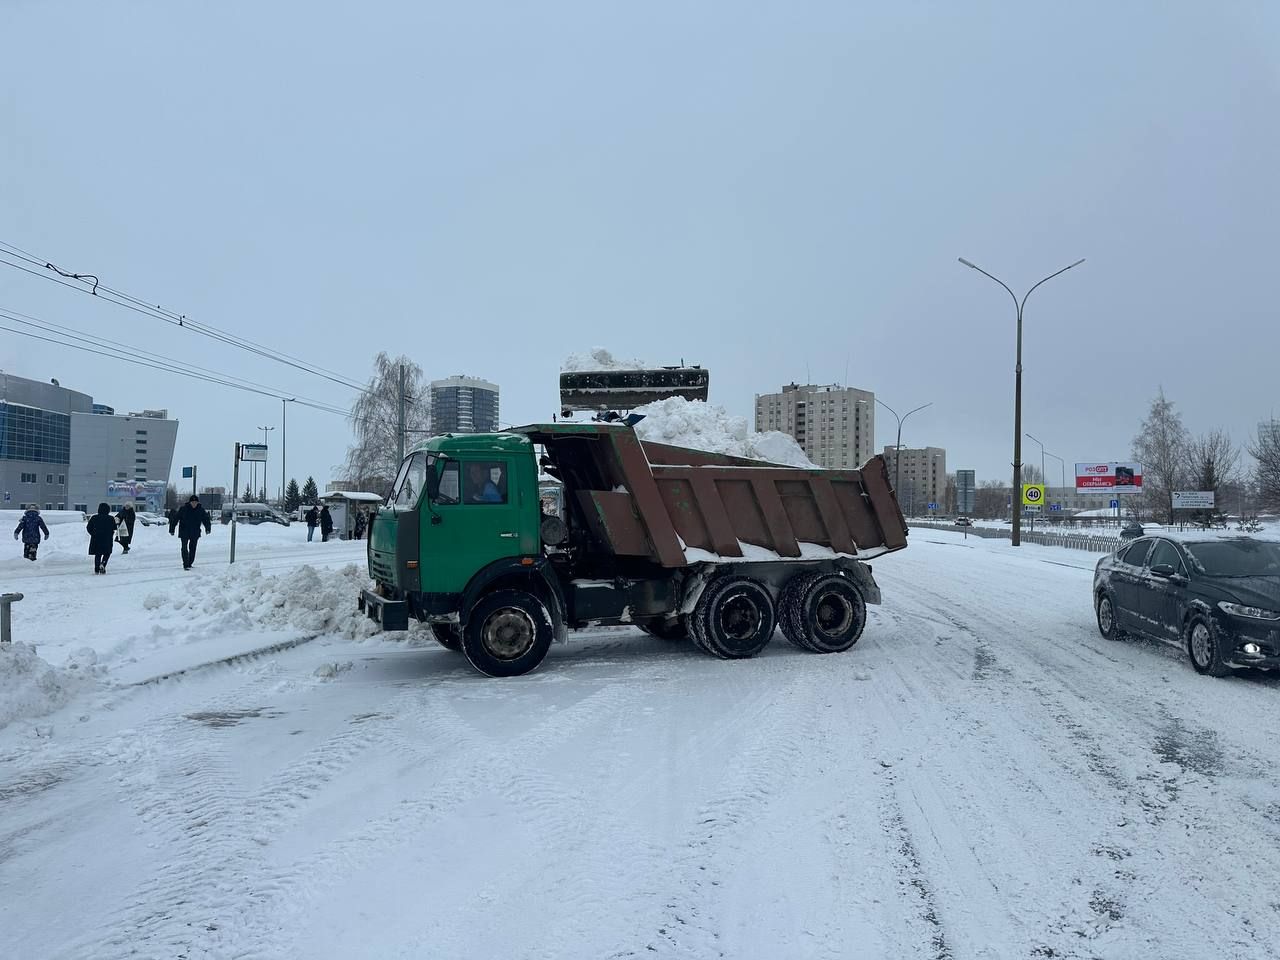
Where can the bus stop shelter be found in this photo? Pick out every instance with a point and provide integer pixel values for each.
(345, 505)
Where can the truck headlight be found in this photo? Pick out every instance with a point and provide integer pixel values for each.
(1241, 610)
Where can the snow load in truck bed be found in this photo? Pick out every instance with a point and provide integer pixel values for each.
(701, 426)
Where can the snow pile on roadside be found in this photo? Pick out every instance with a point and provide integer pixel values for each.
(598, 358)
(701, 426)
(30, 687)
(304, 600)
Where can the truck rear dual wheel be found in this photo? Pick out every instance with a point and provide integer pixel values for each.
(666, 629)
(824, 613)
(733, 619)
(508, 633)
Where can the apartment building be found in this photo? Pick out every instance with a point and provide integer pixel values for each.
(835, 425)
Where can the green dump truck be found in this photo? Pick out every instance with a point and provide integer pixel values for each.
(681, 543)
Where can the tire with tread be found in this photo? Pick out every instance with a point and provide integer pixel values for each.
(1204, 647)
(830, 613)
(734, 618)
(448, 635)
(1105, 609)
(507, 634)
(666, 629)
(789, 608)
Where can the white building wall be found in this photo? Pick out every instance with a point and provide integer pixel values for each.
(109, 448)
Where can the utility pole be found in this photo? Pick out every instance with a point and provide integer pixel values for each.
(1016, 497)
(284, 434)
(265, 431)
(400, 425)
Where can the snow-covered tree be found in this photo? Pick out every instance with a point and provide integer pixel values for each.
(374, 458)
(1161, 447)
(292, 496)
(1265, 450)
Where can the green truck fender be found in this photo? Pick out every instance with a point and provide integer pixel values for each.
(517, 573)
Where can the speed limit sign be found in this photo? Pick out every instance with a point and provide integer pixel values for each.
(1033, 494)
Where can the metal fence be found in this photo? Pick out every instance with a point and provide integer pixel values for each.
(1074, 540)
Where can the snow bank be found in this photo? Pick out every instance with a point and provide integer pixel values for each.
(305, 600)
(598, 359)
(9, 518)
(30, 687)
(692, 423)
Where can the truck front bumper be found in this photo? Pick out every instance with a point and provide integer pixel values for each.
(391, 614)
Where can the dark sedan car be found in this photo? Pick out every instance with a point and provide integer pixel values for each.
(1217, 598)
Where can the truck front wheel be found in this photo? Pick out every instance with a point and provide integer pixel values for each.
(734, 618)
(508, 633)
(448, 635)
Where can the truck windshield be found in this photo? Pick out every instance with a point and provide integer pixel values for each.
(410, 482)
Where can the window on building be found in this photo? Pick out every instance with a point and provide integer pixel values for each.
(48, 506)
(141, 441)
(122, 476)
(62, 479)
(48, 478)
(141, 433)
(29, 478)
(141, 460)
(62, 506)
(82, 507)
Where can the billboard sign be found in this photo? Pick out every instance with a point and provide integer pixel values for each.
(255, 452)
(1193, 499)
(1110, 477)
(966, 484)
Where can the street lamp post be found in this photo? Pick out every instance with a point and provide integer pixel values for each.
(897, 447)
(1017, 392)
(265, 431)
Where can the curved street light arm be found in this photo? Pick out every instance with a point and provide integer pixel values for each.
(974, 266)
(1049, 277)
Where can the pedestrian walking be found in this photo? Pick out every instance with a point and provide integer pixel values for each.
(102, 531)
(125, 520)
(29, 528)
(188, 521)
(312, 517)
(361, 519)
(326, 524)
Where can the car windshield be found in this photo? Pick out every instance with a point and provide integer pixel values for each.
(1236, 558)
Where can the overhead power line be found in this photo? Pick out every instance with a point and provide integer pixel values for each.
(17, 258)
(64, 336)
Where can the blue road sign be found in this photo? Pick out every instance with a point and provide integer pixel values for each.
(1055, 506)
(1115, 504)
(186, 473)
(933, 506)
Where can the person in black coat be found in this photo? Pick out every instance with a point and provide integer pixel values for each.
(188, 521)
(102, 530)
(125, 520)
(312, 517)
(326, 524)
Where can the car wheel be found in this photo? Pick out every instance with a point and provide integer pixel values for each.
(1204, 649)
(1106, 610)
(508, 633)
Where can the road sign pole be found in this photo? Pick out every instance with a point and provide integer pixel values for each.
(235, 487)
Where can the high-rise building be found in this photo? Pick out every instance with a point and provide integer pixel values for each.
(835, 425)
(35, 441)
(121, 459)
(922, 479)
(464, 405)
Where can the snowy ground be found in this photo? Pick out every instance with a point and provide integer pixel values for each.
(983, 776)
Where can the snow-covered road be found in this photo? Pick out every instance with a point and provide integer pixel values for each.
(982, 776)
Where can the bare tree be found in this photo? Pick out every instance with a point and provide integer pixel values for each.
(373, 459)
(1212, 461)
(1161, 448)
(990, 500)
(1265, 449)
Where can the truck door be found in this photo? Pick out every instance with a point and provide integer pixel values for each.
(478, 504)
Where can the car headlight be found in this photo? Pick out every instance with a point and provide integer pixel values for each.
(1241, 610)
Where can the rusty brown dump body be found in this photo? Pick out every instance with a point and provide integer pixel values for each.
(643, 499)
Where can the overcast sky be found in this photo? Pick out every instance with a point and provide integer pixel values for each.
(775, 191)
